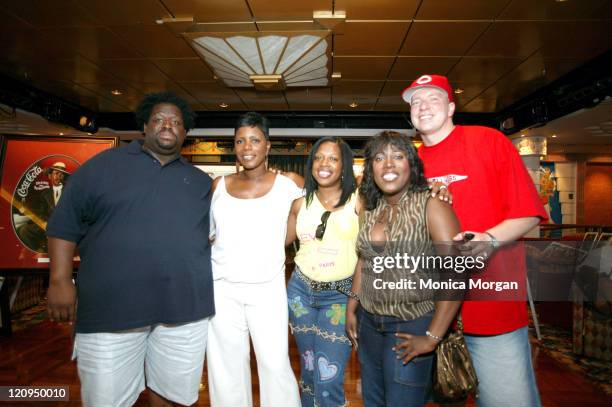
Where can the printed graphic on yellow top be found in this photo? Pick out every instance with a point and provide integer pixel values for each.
(333, 257)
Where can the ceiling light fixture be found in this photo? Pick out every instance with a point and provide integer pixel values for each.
(116, 92)
(459, 91)
(522, 135)
(223, 105)
(267, 60)
(353, 104)
(554, 136)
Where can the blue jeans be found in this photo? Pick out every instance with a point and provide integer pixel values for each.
(385, 380)
(317, 321)
(504, 369)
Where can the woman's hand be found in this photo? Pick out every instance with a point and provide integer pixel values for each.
(351, 326)
(413, 346)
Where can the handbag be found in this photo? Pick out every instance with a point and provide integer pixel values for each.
(454, 376)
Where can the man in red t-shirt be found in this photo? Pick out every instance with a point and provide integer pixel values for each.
(496, 201)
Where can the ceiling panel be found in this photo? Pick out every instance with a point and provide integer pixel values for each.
(517, 84)
(378, 10)
(295, 10)
(460, 10)
(582, 39)
(57, 13)
(390, 97)
(309, 98)
(24, 41)
(363, 68)
(166, 86)
(185, 69)
(370, 38)
(78, 70)
(442, 37)
(470, 91)
(548, 9)
(481, 105)
(365, 93)
(557, 67)
(482, 69)
(124, 12)
(73, 93)
(154, 41)
(510, 39)
(262, 100)
(394, 88)
(94, 43)
(104, 89)
(410, 68)
(210, 10)
(604, 11)
(365, 89)
(133, 70)
(27, 44)
(212, 94)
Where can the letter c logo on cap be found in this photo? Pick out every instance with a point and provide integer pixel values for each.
(424, 79)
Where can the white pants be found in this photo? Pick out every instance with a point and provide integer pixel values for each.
(112, 365)
(261, 310)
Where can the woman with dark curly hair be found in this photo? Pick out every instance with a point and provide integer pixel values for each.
(397, 329)
(327, 224)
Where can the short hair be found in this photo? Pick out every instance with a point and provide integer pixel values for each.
(254, 119)
(150, 100)
(348, 183)
(368, 189)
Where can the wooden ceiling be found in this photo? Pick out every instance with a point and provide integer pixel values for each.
(497, 51)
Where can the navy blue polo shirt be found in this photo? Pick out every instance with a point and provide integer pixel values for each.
(142, 234)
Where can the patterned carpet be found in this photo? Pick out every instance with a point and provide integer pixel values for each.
(558, 343)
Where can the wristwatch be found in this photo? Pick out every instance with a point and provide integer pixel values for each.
(494, 242)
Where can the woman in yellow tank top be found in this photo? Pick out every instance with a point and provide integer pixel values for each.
(326, 223)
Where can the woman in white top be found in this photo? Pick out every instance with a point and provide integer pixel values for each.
(249, 212)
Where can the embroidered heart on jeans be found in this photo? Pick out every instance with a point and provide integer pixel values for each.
(327, 370)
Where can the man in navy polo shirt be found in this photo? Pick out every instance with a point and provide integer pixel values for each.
(139, 217)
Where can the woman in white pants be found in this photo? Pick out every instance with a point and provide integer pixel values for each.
(249, 211)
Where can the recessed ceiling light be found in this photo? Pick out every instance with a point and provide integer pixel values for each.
(522, 135)
(223, 105)
(353, 104)
(116, 92)
(61, 134)
(459, 91)
(554, 136)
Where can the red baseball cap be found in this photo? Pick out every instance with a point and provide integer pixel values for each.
(428, 81)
